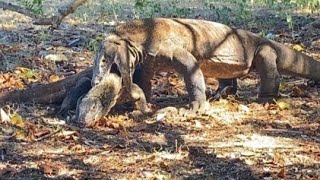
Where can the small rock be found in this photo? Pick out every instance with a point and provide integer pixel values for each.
(43, 53)
(56, 57)
(198, 124)
(169, 109)
(244, 108)
(161, 116)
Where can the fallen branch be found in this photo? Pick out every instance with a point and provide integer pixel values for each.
(48, 135)
(54, 21)
(18, 9)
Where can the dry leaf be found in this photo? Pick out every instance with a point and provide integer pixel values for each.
(17, 120)
(282, 104)
(65, 133)
(2, 79)
(21, 134)
(297, 47)
(161, 116)
(140, 127)
(47, 168)
(198, 124)
(21, 70)
(78, 148)
(54, 78)
(4, 117)
(56, 57)
(282, 173)
(244, 108)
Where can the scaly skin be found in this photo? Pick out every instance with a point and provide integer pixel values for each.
(70, 101)
(198, 49)
(103, 96)
(99, 100)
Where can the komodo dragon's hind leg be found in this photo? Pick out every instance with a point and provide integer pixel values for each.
(186, 64)
(223, 83)
(266, 65)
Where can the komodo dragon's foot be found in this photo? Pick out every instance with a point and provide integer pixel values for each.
(199, 107)
(141, 114)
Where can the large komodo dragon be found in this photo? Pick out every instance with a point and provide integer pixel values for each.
(198, 49)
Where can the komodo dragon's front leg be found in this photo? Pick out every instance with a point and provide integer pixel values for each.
(186, 64)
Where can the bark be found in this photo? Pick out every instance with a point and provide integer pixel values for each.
(54, 21)
(45, 93)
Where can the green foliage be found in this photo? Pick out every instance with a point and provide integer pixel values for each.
(146, 8)
(150, 8)
(42, 35)
(33, 5)
(239, 13)
(226, 11)
(93, 43)
(309, 4)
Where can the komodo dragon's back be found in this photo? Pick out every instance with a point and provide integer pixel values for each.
(204, 39)
(231, 50)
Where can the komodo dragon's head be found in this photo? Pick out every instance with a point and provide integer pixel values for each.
(89, 110)
(115, 51)
(99, 100)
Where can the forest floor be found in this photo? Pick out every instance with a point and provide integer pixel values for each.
(236, 138)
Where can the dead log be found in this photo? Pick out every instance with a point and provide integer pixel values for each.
(52, 93)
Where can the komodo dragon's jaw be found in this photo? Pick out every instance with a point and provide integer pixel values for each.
(89, 110)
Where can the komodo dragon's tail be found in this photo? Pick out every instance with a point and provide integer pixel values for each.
(297, 63)
(45, 93)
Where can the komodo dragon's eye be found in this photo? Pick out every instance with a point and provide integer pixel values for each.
(93, 106)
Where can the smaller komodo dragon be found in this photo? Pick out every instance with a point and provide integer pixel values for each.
(198, 49)
(83, 85)
(103, 96)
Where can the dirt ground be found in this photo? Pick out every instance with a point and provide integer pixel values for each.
(236, 139)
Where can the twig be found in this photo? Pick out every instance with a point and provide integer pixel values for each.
(48, 135)
(283, 131)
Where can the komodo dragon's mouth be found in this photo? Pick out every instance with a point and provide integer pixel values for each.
(115, 69)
